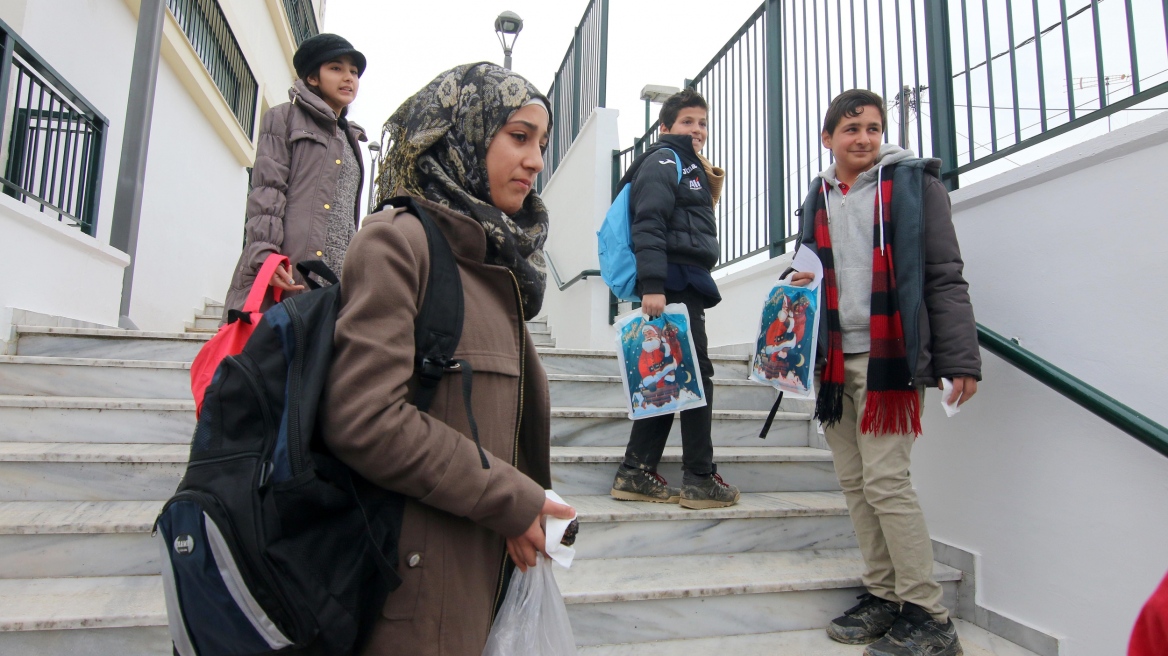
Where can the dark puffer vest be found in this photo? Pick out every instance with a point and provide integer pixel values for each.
(673, 222)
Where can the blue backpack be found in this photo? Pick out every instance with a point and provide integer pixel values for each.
(614, 242)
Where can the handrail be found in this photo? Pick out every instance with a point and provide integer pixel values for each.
(1105, 407)
(586, 273)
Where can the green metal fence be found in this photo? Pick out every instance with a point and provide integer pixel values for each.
(207, 29)
(579, 85)
(968, 81)
(56, 138)
(302, 18)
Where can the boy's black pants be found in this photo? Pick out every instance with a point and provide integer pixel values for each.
(648, 437)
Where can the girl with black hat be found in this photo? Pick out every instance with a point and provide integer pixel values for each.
(307, 176)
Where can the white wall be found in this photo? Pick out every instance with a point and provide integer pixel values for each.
(577, 197)
(1069, 515)
(195, 189)
(49, 266)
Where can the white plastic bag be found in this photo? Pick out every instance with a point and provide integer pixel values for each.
(533, 620)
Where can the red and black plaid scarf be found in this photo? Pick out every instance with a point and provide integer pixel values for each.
(893, 405)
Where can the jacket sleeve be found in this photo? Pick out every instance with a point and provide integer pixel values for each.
(371, 426)
(267, 200)
(651, 201)
(954, 333)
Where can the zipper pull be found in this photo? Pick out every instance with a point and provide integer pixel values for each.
(266, 472)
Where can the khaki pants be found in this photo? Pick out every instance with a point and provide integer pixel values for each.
(874, 474)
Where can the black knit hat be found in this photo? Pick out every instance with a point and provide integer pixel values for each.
(324, 48)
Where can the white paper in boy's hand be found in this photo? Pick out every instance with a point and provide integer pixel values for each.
(947, 391)
(554, 532)
(807, 261)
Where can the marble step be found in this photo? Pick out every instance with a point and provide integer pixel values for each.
(206, 322)
(78, 377)
(590, 470)
(594, 391)
(46, 539)
(583, 361)
(110, 344)
(610, 427)
(773, 521)
(45, 471)
(975, 641)
(638, 600)
(542, 339)
(96, 419)
(93, 616)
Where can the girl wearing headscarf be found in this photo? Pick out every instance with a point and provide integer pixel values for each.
(467, 148)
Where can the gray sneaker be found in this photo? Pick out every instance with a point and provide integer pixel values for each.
(865, 622)
(641, 485)
(712, 492)
(916, 633)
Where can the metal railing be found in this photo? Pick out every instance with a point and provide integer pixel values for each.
(968, 82)
(55, 138)
(206, 28)
(1103, 406)
(579, 85)
(1019, 73)
(583, 275)
(302, 18)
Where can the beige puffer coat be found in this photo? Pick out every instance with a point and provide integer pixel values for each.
(298, 161)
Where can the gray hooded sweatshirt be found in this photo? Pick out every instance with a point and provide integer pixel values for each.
(851, 223)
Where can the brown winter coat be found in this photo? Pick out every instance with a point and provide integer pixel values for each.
(298, 160)
(454, 532)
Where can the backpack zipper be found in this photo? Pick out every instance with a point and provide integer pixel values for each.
(518, 423)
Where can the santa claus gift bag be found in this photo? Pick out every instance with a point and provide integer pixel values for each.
(784, 353)
(658, 363)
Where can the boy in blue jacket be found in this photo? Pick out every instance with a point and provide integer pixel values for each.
(675, 239)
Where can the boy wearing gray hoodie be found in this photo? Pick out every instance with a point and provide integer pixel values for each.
(896, 317)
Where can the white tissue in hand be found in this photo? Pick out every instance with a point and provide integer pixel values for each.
(946, 391)
(554, 532)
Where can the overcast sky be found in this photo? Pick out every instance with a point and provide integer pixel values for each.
(409, 43)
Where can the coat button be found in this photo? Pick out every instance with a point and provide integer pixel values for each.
(338, 161)
(414, 560)
(319, 253)
(327, 206)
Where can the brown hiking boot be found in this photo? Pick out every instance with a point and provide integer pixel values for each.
(641, 485)
(712, 492)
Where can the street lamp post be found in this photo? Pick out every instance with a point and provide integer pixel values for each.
(508, 24)
(655, 93)
(374, 158)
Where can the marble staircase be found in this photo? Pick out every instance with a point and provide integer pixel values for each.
(94, 426)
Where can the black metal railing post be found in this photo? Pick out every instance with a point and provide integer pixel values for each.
(942, 110)
(776, 173)
(577, 52)
(603, 53)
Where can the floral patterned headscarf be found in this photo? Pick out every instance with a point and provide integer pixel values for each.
(438, 150)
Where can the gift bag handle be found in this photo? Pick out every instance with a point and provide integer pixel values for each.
(263, 280)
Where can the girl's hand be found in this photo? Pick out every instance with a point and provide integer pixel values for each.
(522, 549)
(283, 279)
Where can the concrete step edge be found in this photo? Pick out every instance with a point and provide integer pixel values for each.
(756, 505)
(643, 578)
(77, 517)
(81, 603)
(722, 454)
(113, 333)
(52, 360)
(93, 452)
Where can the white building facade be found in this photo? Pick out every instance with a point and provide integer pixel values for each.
(223, 64)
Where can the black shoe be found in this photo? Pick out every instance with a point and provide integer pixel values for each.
(633, 484)
(916, 633)
(712, 492)
(865, 622)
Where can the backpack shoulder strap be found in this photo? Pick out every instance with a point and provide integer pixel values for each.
(438, 326)
(677, 161)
